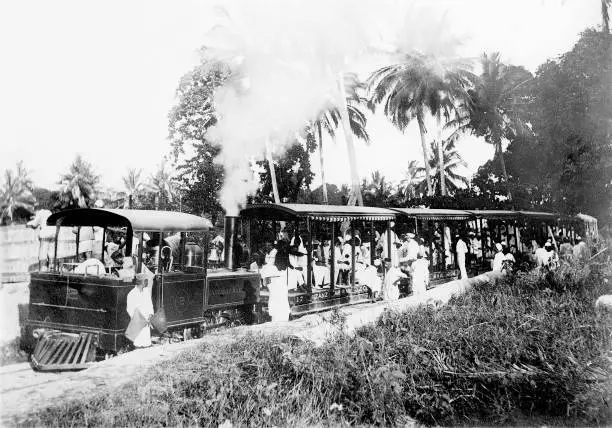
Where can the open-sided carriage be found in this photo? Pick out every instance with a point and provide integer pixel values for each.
(77, 309)
(327, 281)
(438, 229)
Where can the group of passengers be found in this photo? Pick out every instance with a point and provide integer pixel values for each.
(549, 256)
(283, 266)
(114, 259)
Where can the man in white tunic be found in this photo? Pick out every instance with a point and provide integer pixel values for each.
(580, 251)
(462, 250)
(139, 299)
(276, 282)
(393, 277)
(420, 274)
(498, 260)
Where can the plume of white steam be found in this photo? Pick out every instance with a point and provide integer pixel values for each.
(290, 53)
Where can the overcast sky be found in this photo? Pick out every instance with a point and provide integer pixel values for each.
(98, 78)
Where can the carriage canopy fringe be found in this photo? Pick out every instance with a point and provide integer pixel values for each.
(326, 213)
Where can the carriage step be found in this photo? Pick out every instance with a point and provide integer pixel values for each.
(56, 351)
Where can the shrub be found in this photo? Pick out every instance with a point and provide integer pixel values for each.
(530, 346)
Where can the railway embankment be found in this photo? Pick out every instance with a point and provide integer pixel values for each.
(23, 391)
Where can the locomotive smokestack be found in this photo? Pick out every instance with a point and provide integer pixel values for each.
(231, 241)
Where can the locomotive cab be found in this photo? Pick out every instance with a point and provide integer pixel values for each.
(77, 309)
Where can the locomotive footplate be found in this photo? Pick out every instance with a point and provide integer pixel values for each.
(58, 351)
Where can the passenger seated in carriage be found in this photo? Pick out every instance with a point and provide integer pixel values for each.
(367, 275)
(342, 266)
(90, 266)
(393, 277)
(296, 271)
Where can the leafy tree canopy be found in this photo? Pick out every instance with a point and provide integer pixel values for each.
(78, 186)
(293, 171)
(16, 199)
(567, 165)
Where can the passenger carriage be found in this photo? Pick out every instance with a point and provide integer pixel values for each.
(438, 228)
(319, 227)
(77, 308)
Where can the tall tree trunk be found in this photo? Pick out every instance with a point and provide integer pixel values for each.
(502, 162)
(355, 197)
(130, 201)
(272, 172)
(421, 122)
(605, 16)
(441, 161)
(322, 162)
(157, 198)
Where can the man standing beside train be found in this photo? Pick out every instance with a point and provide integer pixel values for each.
(140, 309)
(461, 249)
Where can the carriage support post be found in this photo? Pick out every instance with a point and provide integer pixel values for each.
(140, 252)
(352, 254)
(444, 246)
(389, 241)
(103, 244)
(372, 244)
(78, 242)
(309, 270)
(58, 225)
(332, 253)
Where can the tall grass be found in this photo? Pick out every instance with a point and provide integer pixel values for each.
(530, 346)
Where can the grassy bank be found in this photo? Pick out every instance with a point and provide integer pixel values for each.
(530, 348)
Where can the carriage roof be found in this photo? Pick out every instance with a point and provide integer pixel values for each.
(328, 213)
(434, 214)
(586, 218)
(143, 220)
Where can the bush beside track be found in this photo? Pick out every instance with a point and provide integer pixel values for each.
(530, 348)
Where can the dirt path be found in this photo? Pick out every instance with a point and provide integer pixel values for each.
(23, 391)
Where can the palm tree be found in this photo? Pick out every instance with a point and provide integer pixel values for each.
(452, 160)
(420, 84)
(330, 118)
(133, 185)
(270, 161)
(79, 185)
(16, 194)
(161, 184)
(412, 178)
(605, 17)
(494, 108)
(378, 190)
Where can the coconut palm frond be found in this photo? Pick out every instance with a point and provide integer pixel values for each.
(16, 194)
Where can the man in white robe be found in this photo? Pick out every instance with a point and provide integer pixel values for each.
(275, 281)
(139, 299)
(461, 249)
(420, 274)
(498, 260)
(393, 277)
